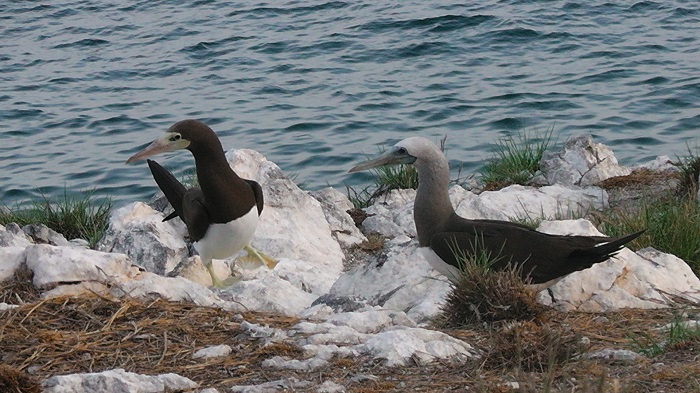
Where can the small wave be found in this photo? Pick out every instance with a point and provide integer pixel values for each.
(86, 42)
(308, 126)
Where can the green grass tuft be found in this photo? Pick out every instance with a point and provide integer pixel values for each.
(678, 335)
(673, 226)
(73, 217)
(516, 161)
(690, 170)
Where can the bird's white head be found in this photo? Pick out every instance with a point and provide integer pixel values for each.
(414, 150)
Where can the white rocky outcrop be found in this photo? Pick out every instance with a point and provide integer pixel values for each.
(12, 258)
(118, 381)
(581, 162)
(376, 309)
(645, 279)
(138, 231)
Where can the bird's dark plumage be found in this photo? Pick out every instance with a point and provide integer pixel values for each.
(543, 257)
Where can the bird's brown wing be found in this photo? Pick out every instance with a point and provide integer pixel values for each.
(542, 257)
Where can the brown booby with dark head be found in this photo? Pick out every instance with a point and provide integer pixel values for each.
(445, 237)
(221, 214)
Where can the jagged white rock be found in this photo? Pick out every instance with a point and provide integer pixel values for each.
(138, 231)
(293, 224)
(618, 355)
(269, 293)
(371, 331)
(518, 202)
(11, 235)
(4, 306)
(581, 162)
(53, 265)
(147, 285)
(42, 234)
(646, 279)
(11, 258)
(117, 381)
(213, 351)
(401, 344)
(335, 206)
(282, 385)
(330, 387)
(402, 280)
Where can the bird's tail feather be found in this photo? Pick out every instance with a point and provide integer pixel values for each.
(172, 188)
(608, 249)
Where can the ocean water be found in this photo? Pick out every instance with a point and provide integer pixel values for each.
(316, 86)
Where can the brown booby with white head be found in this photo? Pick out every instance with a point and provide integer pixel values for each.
(221, 214)
(445, 237)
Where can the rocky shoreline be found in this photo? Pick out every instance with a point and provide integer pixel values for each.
(375, 304)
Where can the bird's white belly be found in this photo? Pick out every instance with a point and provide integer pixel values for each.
(447, 270)
(224, 240)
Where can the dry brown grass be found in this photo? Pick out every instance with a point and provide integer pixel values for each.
(484, 296)
(13, 380)
(638, 177)
(63, 336)
(67, 335)
(43, 338)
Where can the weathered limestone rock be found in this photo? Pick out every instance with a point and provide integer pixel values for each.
(11, 258)
(392, 215)
(213, 352)
(373, 331)
(402, 281)
(269, 293)
(11, 235)
(400, 345)
(293, 224)
(615, 355)
(147, 284)
(54, 265)
(335, 206)
(520, 202)
(659, 164)
(138, 231)
(194, 270)
(646, 279)
(581, 163)
(282, 385)
(118, 381)
(41, 234)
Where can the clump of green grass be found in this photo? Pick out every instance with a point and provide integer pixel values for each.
(678, 335)
(690, 170)
(73, 217)
(516, 160)
(673, 226)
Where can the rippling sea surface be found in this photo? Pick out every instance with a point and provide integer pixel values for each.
(316, 86)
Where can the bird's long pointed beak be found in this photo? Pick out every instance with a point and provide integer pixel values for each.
(388, 158)
(157, 146)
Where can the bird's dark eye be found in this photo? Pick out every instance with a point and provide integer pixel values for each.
(402, 150)
(175, 138)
